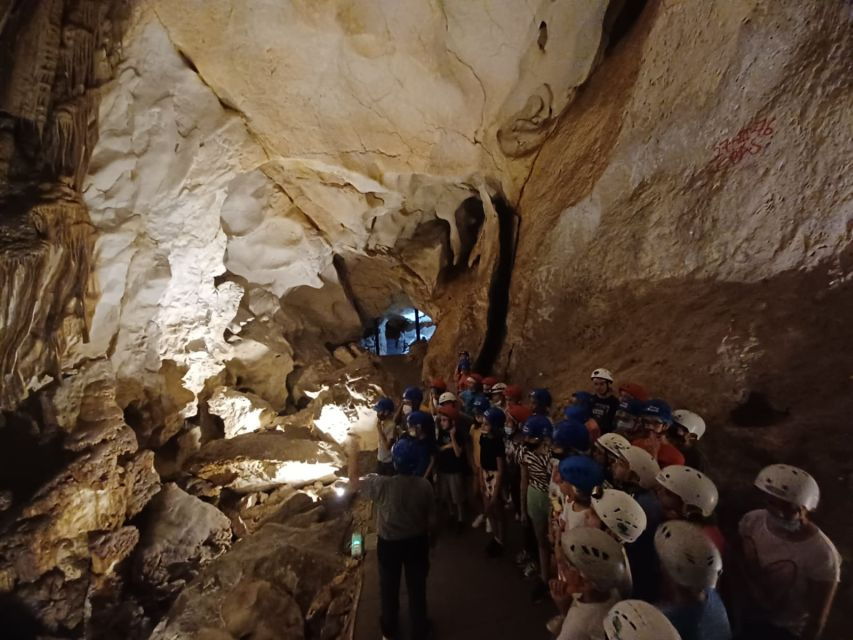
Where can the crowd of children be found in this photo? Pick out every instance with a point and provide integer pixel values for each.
(617, 511)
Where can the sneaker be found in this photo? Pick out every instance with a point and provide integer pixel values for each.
(494, 548)
(555, 624)
(488, 526)
(477, 521)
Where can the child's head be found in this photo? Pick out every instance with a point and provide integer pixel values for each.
(687, 427)
(690, 561)
(633, 392)
(619, 513)
(493, 421)
(570, 438)
(579, 475)
(635, 467)
(598, 559)
(497, 394)
(627, 416)
(536, 431)
(789, 493)
(540, 401)
(656, 416)
(608, 447)
(384, 408)
(514, 393)
(412, 399)
(418, 424)
(447, 416)
(408, 456)
(602, 381)
(686, 493)
(638, 620)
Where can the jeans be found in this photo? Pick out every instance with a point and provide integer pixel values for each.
(393, 556)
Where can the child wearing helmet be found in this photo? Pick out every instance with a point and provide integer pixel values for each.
(386, 433)
(451, 463)
(420, 427)
(540, 402)
(479, 406)
(437, 387)
(603, 404)
(597, 560)
(580, 412)
(637, 620)
(656, 418)
(635, 472)
(535, 475)
(688, 494)
(492, 470)
(410, 402)
(627, 420)
(606, 450)
(691, 567)
(687, 428)
(405, 526)
(497, 395)
(791, 568)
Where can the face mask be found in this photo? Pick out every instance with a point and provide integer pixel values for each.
(791, 526)
(413, 433)
(508, 431)
(625, 425)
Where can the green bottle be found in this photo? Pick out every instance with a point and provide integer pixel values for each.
(357, 544)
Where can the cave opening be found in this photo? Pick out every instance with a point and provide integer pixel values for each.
(397, 331)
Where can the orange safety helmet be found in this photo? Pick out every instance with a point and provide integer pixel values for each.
(450, 411)
(519, 412)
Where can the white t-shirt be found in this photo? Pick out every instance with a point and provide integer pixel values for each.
(779, 570)
(585, 620)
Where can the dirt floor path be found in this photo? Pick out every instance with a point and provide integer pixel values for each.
(470, 596)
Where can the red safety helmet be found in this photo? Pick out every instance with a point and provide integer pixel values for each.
(438, 383)
(519, 412)
(636, 391)
(449, 410)
(489, 381)
(514, 392)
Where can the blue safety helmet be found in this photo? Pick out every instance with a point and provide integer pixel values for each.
(631, 407)
(537, 427)
(408, 455)
(414, 395)
(495, 417)
(578, 412)
(571, 434)
(481, 404)
(657, 409)
(582, 472)
(384, 405)
(420, 419)
(583, 397)
(542, 397)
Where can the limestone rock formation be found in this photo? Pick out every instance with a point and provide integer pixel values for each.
(241, 412)
(181, 534)
(264, 587)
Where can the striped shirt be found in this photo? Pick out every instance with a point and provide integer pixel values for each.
(538, 469)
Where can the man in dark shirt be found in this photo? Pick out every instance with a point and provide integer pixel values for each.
(603, 404)
(405, 518)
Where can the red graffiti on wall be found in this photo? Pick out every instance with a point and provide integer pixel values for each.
(749, 141)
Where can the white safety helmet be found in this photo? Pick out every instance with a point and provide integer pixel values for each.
(688, 555)
(691, 485)
(613, 443)
(790, 484)
(602, 373)
(638, 620)
(643, 464)
(499, 387)
(447, 396)
(621, 514)
(693, 422)
(597, 556)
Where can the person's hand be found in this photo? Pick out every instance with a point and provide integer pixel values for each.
(560, 594)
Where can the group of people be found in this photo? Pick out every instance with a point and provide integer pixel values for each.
(617, 511)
